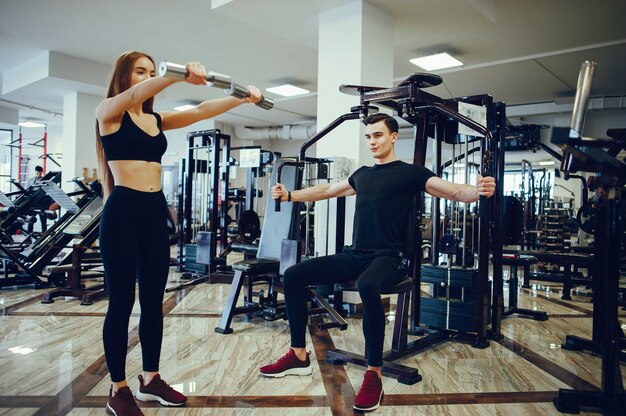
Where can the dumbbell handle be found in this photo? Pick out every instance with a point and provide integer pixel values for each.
(215, 79)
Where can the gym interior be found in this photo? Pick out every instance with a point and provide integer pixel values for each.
(514, 304)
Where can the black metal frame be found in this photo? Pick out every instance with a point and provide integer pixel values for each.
(219, 145)
(399, 344)
(423, 110)
(588, 155)
(437, 113)
(265, 267)
(498, 311)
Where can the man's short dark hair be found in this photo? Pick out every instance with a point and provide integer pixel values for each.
(390, 122)
(38, 169)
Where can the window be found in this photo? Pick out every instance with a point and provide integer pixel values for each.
(6, 152)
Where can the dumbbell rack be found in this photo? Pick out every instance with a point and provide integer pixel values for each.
(555, 233)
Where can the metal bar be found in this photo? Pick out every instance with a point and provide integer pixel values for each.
(311, 142)
(224, 169)
(460, 157)
(188, 187)
(551, 151)
(214, 180)
(497, 303)
(420, 144)
(180, 216)
(581, 101)
(325, 131)
(435, 214)
(465, 206)
(396, 93)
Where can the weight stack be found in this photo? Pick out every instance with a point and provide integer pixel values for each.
(453, 298)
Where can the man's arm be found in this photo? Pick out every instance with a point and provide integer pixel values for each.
(314, 193)
(441, 188)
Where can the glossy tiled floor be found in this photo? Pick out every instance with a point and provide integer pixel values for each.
(51, 361)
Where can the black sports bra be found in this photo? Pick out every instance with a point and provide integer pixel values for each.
(132, 143)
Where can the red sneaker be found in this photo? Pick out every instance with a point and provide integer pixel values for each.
(158, 390)
(122, 404)
(371, 392)
(288, 365)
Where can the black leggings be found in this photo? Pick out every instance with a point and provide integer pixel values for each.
(134, 244)
(374, 272)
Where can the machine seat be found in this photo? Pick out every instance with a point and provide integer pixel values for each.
(246, 248)
(404, 286)
(257, 266)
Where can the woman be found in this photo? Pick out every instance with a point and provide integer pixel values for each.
(133, 234)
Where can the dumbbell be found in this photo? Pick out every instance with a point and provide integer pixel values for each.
(177, 71)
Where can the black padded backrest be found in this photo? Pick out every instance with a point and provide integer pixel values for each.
(279, 225)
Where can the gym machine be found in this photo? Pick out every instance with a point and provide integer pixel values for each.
(431, 116)
(29, 264)
(79, 263)
(202, 224)
(245, 201)
(457, 307)
(27, 204)
(586, 154)
(267, 265)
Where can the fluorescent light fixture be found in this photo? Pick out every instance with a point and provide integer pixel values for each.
(30, 124)
(435, 62)
(184, 107)
(288, 90)
(547, 163)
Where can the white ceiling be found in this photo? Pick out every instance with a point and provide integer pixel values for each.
(520, 52)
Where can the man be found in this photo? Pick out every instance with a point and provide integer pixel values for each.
(46, 203)
(382, 214)
(36, 178)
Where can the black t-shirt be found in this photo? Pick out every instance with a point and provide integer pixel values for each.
(384, 200)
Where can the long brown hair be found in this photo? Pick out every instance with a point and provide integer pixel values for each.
(119, 82)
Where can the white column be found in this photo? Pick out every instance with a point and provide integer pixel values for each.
(355, 47)
(79, 136)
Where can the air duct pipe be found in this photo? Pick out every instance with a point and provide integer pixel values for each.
(298, 132)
